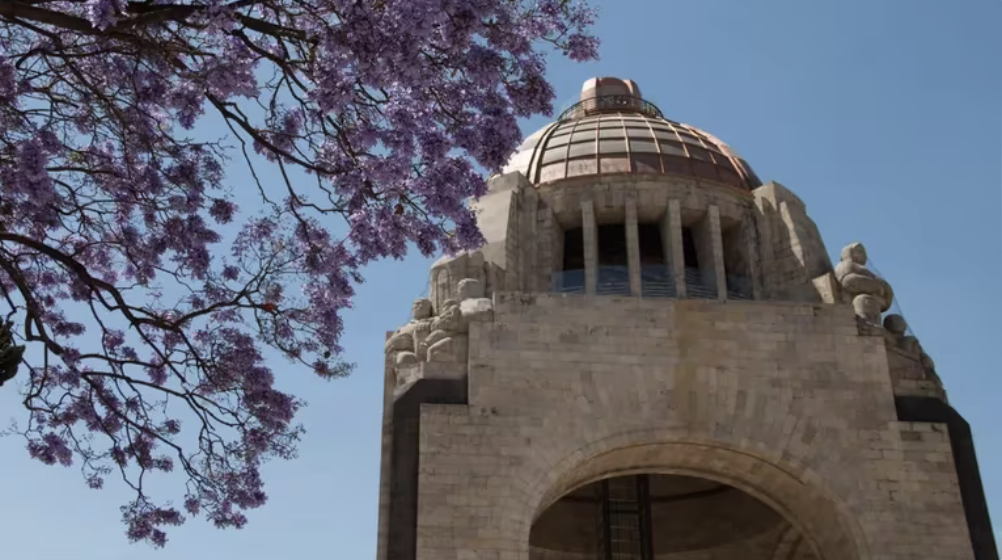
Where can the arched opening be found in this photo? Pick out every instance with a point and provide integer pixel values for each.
(663, 517)
(815, 524)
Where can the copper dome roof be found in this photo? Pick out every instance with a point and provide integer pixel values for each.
(612, 130)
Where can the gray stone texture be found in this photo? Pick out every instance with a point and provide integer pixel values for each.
(785, 401)
(789, 398)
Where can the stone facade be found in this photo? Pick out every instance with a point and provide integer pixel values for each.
(503, 397)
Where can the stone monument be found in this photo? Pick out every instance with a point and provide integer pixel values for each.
(653, 357)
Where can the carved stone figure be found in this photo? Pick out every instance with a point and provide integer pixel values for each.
(449, 319)
(442, 337)
(469, 288)
(408, 339)
(896, 324)
(421, 309)
(870, 294)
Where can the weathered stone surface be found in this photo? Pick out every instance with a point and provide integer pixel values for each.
(856, 283)
(867, 306)
(448, 321)
(436, 336)
(910, 344)
(406, 358)
(896, 324)
(870, 294)
(469, 288)
(399, 341)
(855, 253)
(827, 288)
(479, 310)
(448, 349)
(421, 309)
(793, 402)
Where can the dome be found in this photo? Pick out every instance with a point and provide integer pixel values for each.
(612, 130)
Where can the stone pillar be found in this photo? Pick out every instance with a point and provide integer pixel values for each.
(676, 258)
(529, 241)
(752, 247)
(590, 232)
(389, 383)
(633, 247)
(557, 250)
(717, 243)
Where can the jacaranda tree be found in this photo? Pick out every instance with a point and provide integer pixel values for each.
(125, 311)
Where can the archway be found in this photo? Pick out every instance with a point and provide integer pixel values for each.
(804, 514)
(663, 517)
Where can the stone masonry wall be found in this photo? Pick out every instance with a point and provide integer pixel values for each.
(787, 402)
(790, 245)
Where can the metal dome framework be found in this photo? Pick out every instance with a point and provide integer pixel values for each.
(625, 134)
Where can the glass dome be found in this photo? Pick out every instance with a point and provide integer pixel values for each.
(612, 130)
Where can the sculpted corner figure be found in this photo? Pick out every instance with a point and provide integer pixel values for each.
(896, 325)
(441, 338)
(870, 294)
(406, 345)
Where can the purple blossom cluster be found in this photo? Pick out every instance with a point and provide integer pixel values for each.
(149, 337)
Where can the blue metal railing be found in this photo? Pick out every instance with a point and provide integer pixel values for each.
(657, 281)
(613, 281)
(739, 287)
(697, 286)
(626, 103)
(568, 282)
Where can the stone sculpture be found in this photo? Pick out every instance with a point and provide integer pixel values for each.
(870, 295)
(443, 337)
(895, 324)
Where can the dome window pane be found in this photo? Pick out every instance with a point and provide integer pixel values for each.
(646, 163)
(582, 149)
(615, 165)
(676, 165)
(555, 154)
(558, 140)
(672, 148)
(612, 146)
(696, 152)
(585, 166)
(552, 172)
(643, 146)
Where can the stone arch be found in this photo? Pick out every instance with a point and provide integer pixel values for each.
(829, 530)
(791, 546)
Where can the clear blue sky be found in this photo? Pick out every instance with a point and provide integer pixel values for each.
(884, 116)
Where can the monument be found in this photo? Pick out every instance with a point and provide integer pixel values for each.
(653, 357)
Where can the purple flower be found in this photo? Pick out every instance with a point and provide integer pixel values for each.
(102, 14)
(380, 115)
(50, 449)
(222, 210)
(8, 81)
(114, 338)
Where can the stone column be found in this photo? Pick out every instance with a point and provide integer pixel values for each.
(633, 247)
(557, 251)
(529, 241)
(590, 232)
(673, 249)
(716, 239)
(389, 383)
(752, 247)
